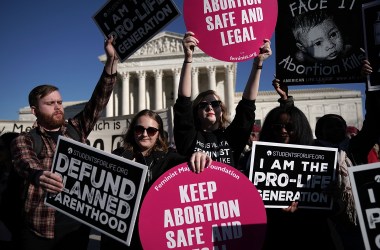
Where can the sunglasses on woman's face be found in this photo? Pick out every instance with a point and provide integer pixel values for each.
(288, 126)
(204, 104)
(151, 131)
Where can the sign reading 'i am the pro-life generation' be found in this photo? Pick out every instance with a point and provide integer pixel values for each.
(283, 173)
(133, 22)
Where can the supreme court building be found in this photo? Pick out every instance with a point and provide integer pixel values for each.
(150, 77)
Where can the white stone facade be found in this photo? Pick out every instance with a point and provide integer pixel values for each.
(150, 77)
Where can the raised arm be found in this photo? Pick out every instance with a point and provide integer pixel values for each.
(252, 87)
(112, 59)
(189, 42)
(285, 100)
(281, 89)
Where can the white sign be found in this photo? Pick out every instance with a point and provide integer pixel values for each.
(101, 190)
(107, 133)
(365, 182)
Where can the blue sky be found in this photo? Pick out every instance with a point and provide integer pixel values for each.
(57, 42)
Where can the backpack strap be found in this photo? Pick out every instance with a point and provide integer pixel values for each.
(37, 141)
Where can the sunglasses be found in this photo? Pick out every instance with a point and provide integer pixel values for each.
(151, 131)
(214, 104)
(288, 126)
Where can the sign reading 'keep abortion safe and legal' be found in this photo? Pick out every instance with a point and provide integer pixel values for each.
(217, 209)
(133, 22)
(283, 173)
(101, 190)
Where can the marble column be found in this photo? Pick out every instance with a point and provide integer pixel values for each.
(194, 82)
(177, 75)
(359, 115)
(158, 89)
(211, 73)
(125, 93)
(141, 90)
(110, 105)
(229, 81)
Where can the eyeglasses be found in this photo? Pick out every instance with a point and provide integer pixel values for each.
(151, 131)
(288, 126)
(214, 104)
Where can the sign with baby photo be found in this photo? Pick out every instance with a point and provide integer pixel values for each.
(319, 42)
(101, 190)
(371, 28)
(284, 173)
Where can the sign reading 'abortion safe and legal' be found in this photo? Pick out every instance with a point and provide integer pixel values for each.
(101, 190)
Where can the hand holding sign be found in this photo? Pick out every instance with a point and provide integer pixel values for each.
(235, 29)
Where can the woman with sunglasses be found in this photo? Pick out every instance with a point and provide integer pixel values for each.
(145, 143)
(286, 227)
(286, 123)
(203, 124)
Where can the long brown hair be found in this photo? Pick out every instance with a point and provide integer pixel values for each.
(224, 119)
(129, 141)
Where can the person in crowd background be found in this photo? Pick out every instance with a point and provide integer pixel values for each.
(373, 155)
(203, 124)
(246, 154)
(44, 227)
(10, 207)
(5, 159)
(331, 131)
(318, 37)
(145, 143)
(286, 123)
(351, 131)
(254, 136)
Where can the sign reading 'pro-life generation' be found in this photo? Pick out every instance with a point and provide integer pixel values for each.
(218, 209)
(365, 181)
(133, 22)
(283, 173)
(231, 30)
(101, 190)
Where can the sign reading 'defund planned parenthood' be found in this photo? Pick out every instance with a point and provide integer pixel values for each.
(101, 190)
(216, 209)
(365, 181)
(134, 22)
(283, 173)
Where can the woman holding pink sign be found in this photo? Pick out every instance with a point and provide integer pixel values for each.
(203, 124)
(144, 142)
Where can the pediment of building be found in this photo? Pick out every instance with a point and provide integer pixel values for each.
(163, 45)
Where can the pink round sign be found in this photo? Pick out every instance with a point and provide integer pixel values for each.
(231, 30)
(216, 209)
